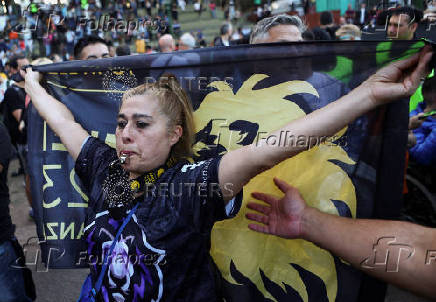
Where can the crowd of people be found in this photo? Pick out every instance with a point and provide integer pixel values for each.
(52, 31)
(170, 129)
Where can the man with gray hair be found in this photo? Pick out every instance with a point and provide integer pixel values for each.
(285, 28)
(166, 43)
(280, 28)
(186, 42)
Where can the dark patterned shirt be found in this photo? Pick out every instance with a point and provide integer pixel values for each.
(163, 252)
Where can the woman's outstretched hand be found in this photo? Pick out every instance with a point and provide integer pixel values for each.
(398, 79)
(281, 217)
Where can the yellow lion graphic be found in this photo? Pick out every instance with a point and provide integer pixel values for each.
(222, 115)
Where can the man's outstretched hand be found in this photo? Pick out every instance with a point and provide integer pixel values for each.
(281, 217)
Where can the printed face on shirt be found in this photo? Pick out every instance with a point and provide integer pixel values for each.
(142, 133)
(401, 28)
(94, 51)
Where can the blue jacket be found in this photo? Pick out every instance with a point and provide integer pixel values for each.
(424, 152)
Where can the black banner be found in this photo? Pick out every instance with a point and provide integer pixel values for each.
(240, 94)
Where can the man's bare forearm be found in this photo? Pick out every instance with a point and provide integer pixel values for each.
(398, 252)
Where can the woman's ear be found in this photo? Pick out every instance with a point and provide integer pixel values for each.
(175, 134)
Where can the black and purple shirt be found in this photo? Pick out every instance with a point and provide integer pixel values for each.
(163, 252)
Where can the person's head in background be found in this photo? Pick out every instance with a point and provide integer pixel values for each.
(17, 62)
(186, 42)
(430, 15)
(56, 58)
(349, 32)
(280, 28)
(308, 35)
(166, 43)
(14, 48)
(402, 23)
(326, 19)
(342, 20)
(320, 34)
(123, 50)
(429, 93)
(112, 49)
(202, 43)
(226, 31)
(237, 35)
(148, 49)
(91, 47)
(7, 68)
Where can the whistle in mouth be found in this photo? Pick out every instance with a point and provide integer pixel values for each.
(123, 158)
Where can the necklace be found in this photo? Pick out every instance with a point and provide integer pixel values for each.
(120, 192)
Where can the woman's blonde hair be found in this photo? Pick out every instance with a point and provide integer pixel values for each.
(176, 105)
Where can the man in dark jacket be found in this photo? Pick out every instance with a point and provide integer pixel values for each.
(362, 16)
(14, 103)
(224, 39)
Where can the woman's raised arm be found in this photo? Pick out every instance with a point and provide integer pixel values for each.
(56, 114)
(399, 79)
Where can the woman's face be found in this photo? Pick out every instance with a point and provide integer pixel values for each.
(142, 134)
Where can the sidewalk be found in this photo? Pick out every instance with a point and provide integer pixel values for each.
(54, 285)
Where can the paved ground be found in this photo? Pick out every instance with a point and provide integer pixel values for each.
(54, 285)
(64, 285)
